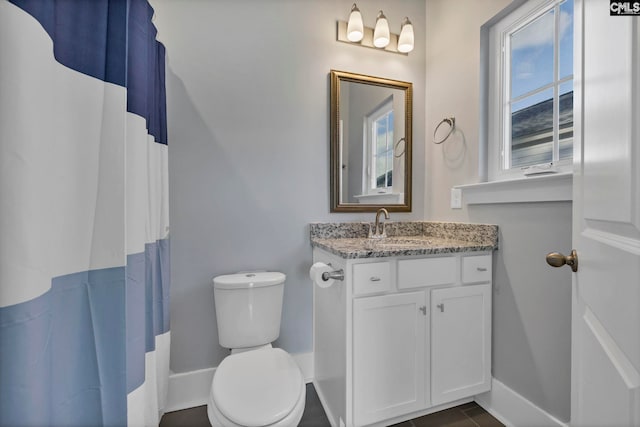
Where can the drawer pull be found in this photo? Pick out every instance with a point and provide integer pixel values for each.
(481, 268)
(374, 279)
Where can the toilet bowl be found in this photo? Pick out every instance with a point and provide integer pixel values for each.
(256, 385)
(257, 388)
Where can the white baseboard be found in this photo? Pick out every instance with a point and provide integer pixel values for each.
(513, 410)
(305, 362)
(191, 389)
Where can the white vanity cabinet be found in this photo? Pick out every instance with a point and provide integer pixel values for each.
(460, 342)
(402, 337)
(388, 356)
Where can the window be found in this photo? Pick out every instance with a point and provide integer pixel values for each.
(531, 91)
(379, 142)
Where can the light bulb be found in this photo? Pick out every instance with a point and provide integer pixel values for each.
(355, 27)
(405, 41)
(381, 31)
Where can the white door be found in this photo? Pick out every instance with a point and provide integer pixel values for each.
(460, 342)
(606, 231)
(388, 356)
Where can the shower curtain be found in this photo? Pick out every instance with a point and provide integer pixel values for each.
(84, 231)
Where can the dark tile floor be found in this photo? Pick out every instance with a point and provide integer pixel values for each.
(313, 415)
(467, 415)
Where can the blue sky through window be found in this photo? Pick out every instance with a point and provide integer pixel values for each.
(540, 100)
(532, 51)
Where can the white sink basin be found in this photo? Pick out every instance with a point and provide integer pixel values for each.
(398, 242)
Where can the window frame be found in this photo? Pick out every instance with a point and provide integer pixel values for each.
(383, 109)
(499, 112)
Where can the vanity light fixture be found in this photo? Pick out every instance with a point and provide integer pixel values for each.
(355, 32)
(405, 41)
(355, 27)
(381, 32)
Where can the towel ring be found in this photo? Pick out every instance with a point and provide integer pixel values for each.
(451, 121)
(395, 147)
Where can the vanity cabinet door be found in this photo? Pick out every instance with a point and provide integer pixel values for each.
(460, 342)
(388, 356)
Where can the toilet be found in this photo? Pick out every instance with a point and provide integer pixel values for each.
(256, 385)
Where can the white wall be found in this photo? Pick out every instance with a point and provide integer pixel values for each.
(248, 104)
(532, 302)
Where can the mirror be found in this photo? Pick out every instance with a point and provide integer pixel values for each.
(370, 143)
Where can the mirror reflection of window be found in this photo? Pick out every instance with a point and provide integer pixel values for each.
(379, 161)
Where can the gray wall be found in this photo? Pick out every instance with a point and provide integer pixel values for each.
(249, 147)
(532, 302)
(248, 164)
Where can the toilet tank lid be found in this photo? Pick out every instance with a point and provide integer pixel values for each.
(249, 280)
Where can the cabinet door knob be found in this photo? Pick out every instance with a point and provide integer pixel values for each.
(423, 309)
(441, 307)
(374, 279)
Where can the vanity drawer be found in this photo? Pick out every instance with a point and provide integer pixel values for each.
(371, 277)
(476, 268)
(414, 273)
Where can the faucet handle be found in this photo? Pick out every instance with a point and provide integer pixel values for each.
(383, 232)
(377, 231)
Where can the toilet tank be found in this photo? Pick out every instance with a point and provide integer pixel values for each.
(248, 308)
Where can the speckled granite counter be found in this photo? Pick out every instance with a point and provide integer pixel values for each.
(349, 239)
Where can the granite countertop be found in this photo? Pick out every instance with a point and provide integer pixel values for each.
(349, 240)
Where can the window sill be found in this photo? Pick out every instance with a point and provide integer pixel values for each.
(547, 188)
(380, 198)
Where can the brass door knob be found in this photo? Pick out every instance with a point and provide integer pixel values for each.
(556, 259)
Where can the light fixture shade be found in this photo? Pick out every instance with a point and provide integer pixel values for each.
(405, 41)
(355, 27)
(381, 31)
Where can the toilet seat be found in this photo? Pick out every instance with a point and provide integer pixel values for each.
(258, 388)
(216, 419)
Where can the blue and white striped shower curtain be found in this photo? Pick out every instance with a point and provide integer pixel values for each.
(84, 254)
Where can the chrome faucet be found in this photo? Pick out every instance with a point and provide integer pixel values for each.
(377, 232)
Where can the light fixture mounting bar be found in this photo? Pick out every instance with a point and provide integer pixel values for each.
(367, 39)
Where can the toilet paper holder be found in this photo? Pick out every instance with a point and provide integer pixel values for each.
(336, 275)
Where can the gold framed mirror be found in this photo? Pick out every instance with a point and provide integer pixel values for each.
(370, 147)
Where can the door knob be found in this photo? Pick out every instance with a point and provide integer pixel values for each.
(556, 259)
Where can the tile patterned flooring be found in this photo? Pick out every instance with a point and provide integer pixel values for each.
(467, 415)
